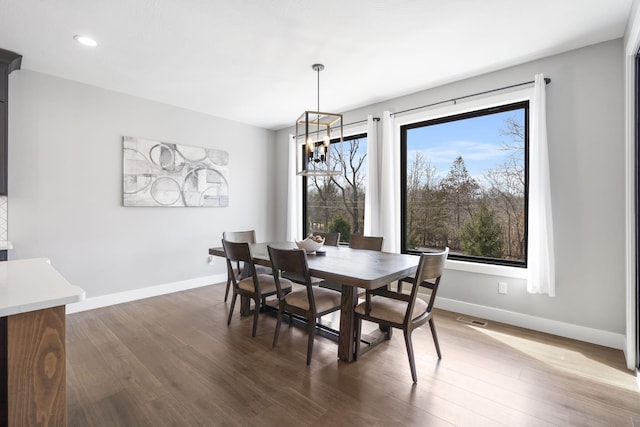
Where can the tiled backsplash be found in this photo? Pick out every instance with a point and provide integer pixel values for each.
(3, 218)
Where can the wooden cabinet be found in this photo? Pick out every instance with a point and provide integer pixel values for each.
(35, 377)
(33, 296)
(4, 148)
(9, 61)
(4, 89)
(4, 122)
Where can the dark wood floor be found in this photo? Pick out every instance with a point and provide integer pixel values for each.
(172, 361)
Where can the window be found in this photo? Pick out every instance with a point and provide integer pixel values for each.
(464, 185)
(336, 203)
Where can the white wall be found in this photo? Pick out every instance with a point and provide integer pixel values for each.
(585, 116)
(65, 186)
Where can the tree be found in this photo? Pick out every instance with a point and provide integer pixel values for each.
(415, 174)
(351, 182)
(426, 210)
(320, 199)
(342, 226)
(460, 189)
(507, 185)
(435, 216)
(341, 194)
(482, 235)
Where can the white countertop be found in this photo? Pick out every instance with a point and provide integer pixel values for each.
(33, 284)
(5, 244)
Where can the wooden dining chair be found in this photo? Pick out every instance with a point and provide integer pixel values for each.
(330, 238)
(405, 311)
(370, 243)
(310, 302)
(257, 286)
(248, 236)
(407, 279)
(241, 271)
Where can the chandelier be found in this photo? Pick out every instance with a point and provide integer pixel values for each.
(320, 136)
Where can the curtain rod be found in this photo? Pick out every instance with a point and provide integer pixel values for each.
(377, 119)
(547, 80)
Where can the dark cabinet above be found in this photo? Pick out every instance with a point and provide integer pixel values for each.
(9, 61)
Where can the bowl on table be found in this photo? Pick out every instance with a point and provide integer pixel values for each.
(310, 245)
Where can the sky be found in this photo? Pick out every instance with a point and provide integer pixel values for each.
(477, 140)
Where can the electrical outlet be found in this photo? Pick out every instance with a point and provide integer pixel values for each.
(502, 287)
(210, 259)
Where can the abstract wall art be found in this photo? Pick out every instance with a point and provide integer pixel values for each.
(158, 173)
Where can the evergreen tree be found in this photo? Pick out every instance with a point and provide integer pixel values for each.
(482, 235)
(461, 190)
(341, 225)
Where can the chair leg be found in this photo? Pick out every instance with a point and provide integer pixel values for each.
(358, 332)
(226, 293)
(256, 313)
(412, 362)
(278, 323)
(432, 325)
(233, 304)
(400, 286)
(312, 333)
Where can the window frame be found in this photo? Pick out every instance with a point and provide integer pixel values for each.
(357, 135)
(446, 115)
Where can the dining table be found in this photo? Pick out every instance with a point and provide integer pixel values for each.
(354, 269)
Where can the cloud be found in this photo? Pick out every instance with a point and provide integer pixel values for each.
(469, 150)
(478, 156)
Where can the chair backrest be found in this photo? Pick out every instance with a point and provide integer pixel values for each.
(365, 242)
(248, 236)
(291, 261)
(330, 239)
(428, 274)
(238, 252)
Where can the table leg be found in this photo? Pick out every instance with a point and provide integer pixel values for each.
(346, 339)
(388, 331)
(245, 306)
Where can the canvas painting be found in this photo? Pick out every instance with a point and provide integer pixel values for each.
(164, 174)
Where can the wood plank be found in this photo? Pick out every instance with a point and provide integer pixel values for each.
(36, 374)
(4, 400)
(172, 360)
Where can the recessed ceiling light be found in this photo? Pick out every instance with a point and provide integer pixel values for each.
(85, 41)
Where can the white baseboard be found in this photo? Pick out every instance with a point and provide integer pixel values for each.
(567, 330)
(136, 294)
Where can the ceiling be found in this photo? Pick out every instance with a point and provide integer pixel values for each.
(250, 60)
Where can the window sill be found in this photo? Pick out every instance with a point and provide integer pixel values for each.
(490, 269)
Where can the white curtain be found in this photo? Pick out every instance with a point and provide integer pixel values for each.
(540, 256)
(390, 186)
(372, 186)
(294, 195)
